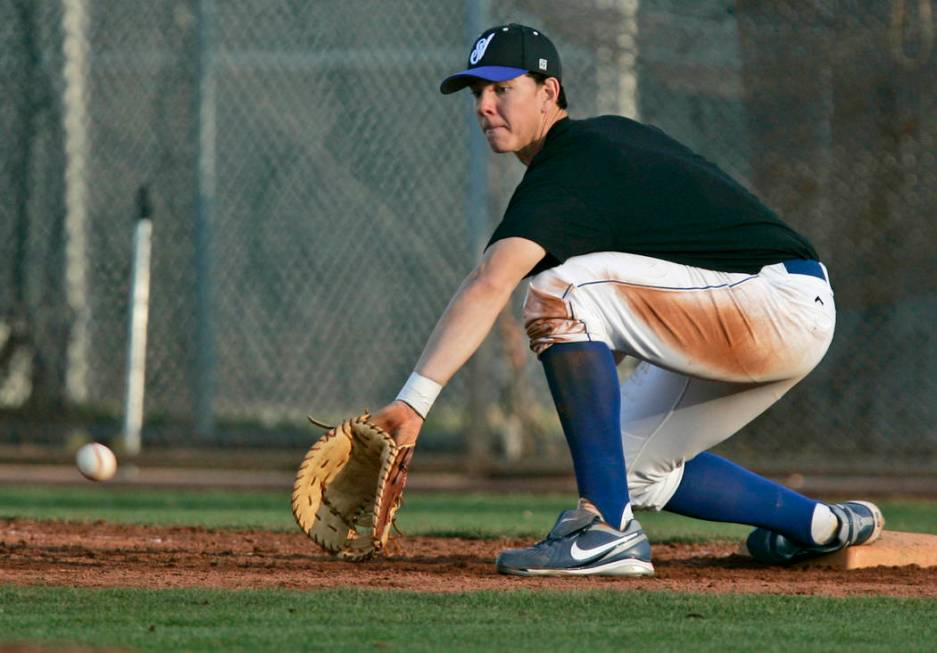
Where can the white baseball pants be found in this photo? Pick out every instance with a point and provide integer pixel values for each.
(716, 348)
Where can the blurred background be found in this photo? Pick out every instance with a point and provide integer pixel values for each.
(315, 202)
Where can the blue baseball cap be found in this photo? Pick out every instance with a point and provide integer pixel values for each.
(505, 52)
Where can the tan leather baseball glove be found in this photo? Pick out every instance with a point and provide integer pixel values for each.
(349, 487)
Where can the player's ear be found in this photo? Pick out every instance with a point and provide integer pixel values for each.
(551, 87)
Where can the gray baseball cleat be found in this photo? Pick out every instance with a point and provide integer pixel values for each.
(581, 544)
(860, 522)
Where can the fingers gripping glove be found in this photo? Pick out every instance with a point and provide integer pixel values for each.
(349, 487)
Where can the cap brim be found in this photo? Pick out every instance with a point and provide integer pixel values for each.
(462, 79)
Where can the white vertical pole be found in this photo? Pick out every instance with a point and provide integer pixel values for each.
(76, 55)
(136, 334)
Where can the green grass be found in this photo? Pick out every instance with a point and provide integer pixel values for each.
(347, 620)
(466, 514)
(353, 620)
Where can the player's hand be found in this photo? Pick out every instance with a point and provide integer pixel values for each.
(400, 420)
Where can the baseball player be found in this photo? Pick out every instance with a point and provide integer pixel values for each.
(636, 246)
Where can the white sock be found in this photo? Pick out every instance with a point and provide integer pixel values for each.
(824, 524)
(626, 515)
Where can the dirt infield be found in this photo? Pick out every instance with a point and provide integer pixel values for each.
(111, 555)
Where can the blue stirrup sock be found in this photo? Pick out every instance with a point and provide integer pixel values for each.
(717, 489)
(584, 384)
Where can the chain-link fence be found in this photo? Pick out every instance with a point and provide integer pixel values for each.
(317, 201)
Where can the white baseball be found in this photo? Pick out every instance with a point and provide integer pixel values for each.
(96, 462)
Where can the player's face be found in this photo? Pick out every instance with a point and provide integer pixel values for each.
(510, 113)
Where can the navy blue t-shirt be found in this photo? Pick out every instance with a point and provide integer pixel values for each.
(614, 184)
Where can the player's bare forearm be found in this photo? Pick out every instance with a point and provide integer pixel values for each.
(475, 306)
(459, 332)
(464, 324)
(462, 327)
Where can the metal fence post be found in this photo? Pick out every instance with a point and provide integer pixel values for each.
(76, 55)
(476, 425)
(205, 352)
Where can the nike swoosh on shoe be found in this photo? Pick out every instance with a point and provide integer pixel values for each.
(580, 555)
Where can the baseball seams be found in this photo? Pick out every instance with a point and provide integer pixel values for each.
(99, 458)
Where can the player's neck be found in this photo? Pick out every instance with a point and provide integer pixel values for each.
(526, 154)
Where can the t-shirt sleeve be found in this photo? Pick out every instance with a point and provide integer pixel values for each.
(554, 218)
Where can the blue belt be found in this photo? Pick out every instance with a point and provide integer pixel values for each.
(802, 266)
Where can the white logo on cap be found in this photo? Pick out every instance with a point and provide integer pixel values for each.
(543, 64)
(480, 48)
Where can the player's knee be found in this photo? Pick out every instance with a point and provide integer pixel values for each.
(548, 317)
(651, 490)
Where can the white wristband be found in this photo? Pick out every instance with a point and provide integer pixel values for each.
(419, 393)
